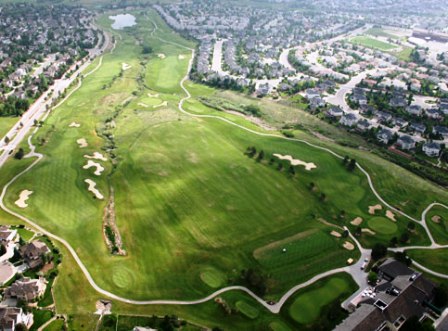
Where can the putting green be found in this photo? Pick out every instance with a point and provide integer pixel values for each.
(382, 225)
(212, 277)
(247, 309)
(122, 277)
(307, 306)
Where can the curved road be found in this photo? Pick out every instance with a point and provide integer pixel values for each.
(272, 308)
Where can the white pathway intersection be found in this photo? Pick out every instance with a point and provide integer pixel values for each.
(353, 270)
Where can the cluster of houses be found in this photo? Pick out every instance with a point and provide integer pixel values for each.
(18, 290)
(37, 43)
(399, 295)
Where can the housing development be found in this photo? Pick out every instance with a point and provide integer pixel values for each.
(224, 165)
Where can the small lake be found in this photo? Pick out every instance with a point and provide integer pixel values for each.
(122, 21)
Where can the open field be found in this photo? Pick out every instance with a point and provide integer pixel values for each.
(378, 32)
(193, 211)
(437, 220)
(436, 259)
(372, 43)
(6, 124)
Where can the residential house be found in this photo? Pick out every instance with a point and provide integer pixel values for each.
(434, 114)
(34, 253)
(406, 142)
(442, 130)
(398, 101)
(418, 128)
(7, 235)
(415, 110)
(335, 112)
(10, 317)
(401, 122)
(363, 125)
(383, 117)
(26, 289)
(349, 119)
(384, 136)
(401, 294)
(432, 149)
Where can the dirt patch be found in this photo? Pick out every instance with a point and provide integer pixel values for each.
(92, 188)
(348, 246)
(92, 164)
(114, 242)
(277, 244)
(181, 57)
(390, 215)
(321, 136)
(335, 234)
(82, 143)
(294, 162)
(357, 221)
(74, 125)
(366, 230)
(23, 197)
(373, 209)
(163, 104)
(436, 219)
(47, 267)
(161, 56)
(96, 156)
(256, 120)
(144, 105)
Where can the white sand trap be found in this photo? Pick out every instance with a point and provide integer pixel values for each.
(366, 230)
(181, 57)
(96, 156)
(294, 162)
(357, 221)
(23, 197)
(436, 219)
(92, 188)
(349, 246)
(144, 105)
(153, 95)
(92, 164)
(74, 125)
(82, 143)
(350, 261)
(161, 56)
(390, 215)
(163, 104)
(373, 209)
(335, 234)
(125, 66)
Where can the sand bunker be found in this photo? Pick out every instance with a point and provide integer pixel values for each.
(163, 104)
(153, 95)
(24, 195)
(436, 219)
(373, 209)
(366, 230)
(82, 143)
(181, 57)
(125, 66)
(350, 261)
(74, 125)
(99, 167)
(349, 246)
(144, 105)
(161, 56)
(96, 156)
(92, 188)
(390, 215)
(335, 234)
(357, 221)
(294, 162)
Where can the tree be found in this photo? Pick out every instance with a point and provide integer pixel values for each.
(411, 226)
(260, 156)
(292, 170)
(346, 160)
(393, 242)
(378, 251)
(441, 296)
(323, 197)
(403, 258)
(20, 154)
(146, 49)
(404, 238)
(2, 250)
(372, 277)
(312, 186)
(352, 164)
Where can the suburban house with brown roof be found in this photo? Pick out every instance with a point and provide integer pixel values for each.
(34, 253)
(10, 317)
(26, 289)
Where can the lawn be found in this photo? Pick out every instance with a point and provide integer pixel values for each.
(247, 309)
(191, 208)
(56, 325)
(306, 306)
(437, 221)
(436, 259)
(378, 32)
(372, 43)
(6, 124)
(40, 318)
(382, 225)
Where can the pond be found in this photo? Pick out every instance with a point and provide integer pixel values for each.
(122, 21)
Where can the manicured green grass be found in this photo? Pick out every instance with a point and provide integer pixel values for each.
(56, 325)
(438, 230)
(378, 32)
(382, 225)
(213, 278)
(372, 43)
(25, 234)
(48, 295)
(247, 309)
(434, 259)
(307, 304)
(40, 318)
(279, 326)
(404, 54)
(6, 124)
